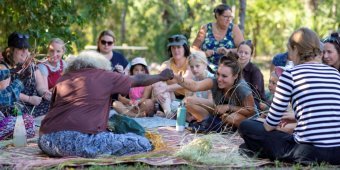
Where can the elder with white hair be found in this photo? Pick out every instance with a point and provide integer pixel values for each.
(76, 124)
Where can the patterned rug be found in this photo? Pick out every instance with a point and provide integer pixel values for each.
(31, 157)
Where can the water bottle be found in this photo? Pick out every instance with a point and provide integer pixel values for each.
(181, 117)
(19, 134)
(289, 64)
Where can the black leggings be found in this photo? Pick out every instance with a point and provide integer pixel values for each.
(277, 145)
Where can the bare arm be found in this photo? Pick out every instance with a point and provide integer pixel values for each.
(199, 38)
(173, 84)
(193, 85)
(237, 35)
(267, 127)
(247, 109)
(145, 79)
(123, 99)
(146, 94)
(42, 85)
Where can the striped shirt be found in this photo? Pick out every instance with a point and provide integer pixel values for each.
(314, 92)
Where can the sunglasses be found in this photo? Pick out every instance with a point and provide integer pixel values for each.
(176, 39)
(103, 42)
(25, 36)
(331, 40)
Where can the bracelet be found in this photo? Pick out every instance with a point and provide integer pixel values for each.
(29, 97)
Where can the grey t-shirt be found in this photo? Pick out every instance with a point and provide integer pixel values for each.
(240, 92)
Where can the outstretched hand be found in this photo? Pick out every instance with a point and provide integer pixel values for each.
(166, 74)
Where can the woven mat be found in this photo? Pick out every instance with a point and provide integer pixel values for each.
(31, 156)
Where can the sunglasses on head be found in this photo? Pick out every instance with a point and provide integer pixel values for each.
(248, 42)
(332, 39)
(175, 39)
(25, 36)
(103, 42)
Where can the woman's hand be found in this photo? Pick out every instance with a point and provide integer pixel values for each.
(221, 109)
(34, 100)
(286, 119)
(209, 53)
(178, 77)
(119, 68)
(222, 50)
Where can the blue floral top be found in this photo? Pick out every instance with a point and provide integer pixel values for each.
(210, 43)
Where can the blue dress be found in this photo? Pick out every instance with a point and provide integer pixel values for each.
(210, 43)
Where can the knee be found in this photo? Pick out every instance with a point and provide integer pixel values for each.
(116, 104)
(244, 126)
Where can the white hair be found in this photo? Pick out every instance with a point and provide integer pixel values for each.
(88, 59)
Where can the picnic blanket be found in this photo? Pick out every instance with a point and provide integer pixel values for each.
(166, 139)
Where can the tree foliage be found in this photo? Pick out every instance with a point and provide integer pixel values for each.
(46, 19)
(150, 22)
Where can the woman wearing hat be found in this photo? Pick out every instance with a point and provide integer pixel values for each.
(219, 37)
(138, 104)
(34, 87)
(178, 52)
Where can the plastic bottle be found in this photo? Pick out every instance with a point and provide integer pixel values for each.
(181, 117)
(19, 134)
(289, 64)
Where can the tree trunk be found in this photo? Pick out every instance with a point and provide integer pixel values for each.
(122, 20)
(242, 14)
(166, 14)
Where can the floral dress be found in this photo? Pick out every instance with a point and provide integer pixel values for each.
(210, 43)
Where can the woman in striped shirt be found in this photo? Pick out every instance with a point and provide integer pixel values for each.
(313, 89)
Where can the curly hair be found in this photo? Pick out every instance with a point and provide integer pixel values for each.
(88, 59)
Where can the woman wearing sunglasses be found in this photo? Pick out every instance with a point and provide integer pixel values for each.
(313, 90)
(34, 94)
(219, 37)
(331, 52)
(105, 44)
(178, 52)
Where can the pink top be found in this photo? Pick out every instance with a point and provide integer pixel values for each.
(136, 93)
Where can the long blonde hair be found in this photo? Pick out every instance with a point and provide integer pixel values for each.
(198, 56)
